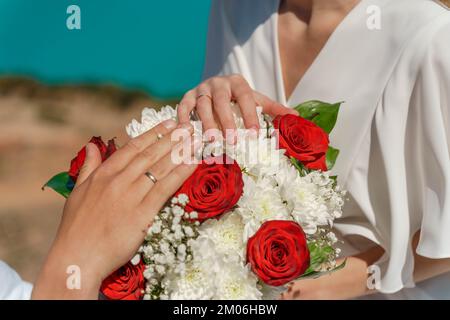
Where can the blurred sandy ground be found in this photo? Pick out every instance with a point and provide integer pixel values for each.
(41, 129)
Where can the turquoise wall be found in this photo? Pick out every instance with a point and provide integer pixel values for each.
(153, 45)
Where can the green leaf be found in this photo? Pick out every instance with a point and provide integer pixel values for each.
(300, 167)
(317, 274)
(61, 183)
(318, 255)
(321, 113)
(331, 157)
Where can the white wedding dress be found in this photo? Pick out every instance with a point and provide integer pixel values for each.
(393, 129)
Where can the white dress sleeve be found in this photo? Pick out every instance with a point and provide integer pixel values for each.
(12, 287)
(431, 101)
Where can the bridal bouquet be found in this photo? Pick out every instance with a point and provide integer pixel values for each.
(252, 218)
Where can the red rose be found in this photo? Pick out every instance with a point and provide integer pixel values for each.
(105, 150)
(214, 188)
(278, 252)
(126, 283)
(303, 140)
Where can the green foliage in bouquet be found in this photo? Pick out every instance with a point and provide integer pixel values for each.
(325, 116)
(319, 255)
(61, 183)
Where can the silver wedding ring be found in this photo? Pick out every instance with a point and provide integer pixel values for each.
(151, 177)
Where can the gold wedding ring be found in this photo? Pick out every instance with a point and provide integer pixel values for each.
(151, 176)
(204, 95)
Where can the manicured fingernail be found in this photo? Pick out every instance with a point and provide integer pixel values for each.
(209, 136)
(186, 126)
(231, 137)
(169, 124)
(253, 132)
(197, 144)
(89, 149)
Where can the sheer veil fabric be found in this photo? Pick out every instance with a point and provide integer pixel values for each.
(393, 129)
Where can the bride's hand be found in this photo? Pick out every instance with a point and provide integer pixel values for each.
(107, 214)
(212, 101)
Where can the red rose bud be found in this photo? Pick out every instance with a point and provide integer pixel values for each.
(105, 151)
(214, 188)
(303, 140)
(126, 283)
(278, 252)
(110, 148)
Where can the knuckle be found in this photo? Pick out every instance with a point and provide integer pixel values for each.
(216, 81)
(222, 96)
(133, 145)
(204, 86)
(247, 96)
(147, 155)
(237, 78)
(113, 188)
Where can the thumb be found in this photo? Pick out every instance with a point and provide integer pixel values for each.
(271, 107)
(92, 161)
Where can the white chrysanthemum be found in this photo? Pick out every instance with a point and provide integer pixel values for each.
(313, 200)
(236, 282)
(271, 292)
(150, 118)
(257, 155)
(260, 202)
(220, 239)
(196, 283)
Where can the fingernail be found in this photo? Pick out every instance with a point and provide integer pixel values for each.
(186, 126)
(169, 124)
(231, 137)
(254, 132)
(89, 149)
(209, 136)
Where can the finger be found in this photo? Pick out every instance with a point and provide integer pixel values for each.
(124, 155)
(271, 107)
(92, 161)
(166, 165)
(155, 152)
(243, 95)
(206, 114)
(222, 107)
(164, 189)
(186, 105)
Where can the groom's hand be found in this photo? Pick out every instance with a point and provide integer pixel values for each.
(106, 217)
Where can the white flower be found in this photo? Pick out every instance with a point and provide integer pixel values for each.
(150, 118)
(183, 199)
(136, 259)
(272, 293)
(236, 282)
(260, 202)
(258, 156)
(312, 199)
(220, 237)
(196, 283)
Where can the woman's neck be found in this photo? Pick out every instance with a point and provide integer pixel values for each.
(307, 9)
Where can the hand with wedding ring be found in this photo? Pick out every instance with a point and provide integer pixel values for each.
(212, 98)
(107, 214)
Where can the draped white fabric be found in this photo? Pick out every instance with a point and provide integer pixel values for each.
(11, 286)
(393, 129)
